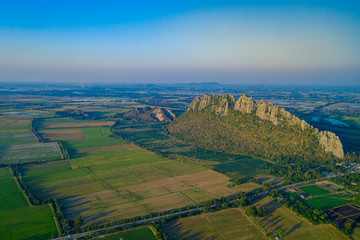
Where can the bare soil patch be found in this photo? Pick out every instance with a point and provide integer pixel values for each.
(64, 134)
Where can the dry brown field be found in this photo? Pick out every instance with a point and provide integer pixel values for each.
(106, 148)
(63, 134)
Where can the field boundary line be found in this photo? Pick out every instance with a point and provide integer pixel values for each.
(168, 171)
(99, 179)
(215, 227)
(193, 186)
(342, 216)
(250, 218)
(133, 172)
(187, 196)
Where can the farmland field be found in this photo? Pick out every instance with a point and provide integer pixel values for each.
(72, 123)
(323, 199)
(278, 218)
(18, 220)
(19, 145)
(25, 153)
(327, 202)
(314, 190)
(347, 214)
(224, 224)
(151, 136)
(112, 185)
(75, 139)
(133, 234)
(15, 139)
(14, 124)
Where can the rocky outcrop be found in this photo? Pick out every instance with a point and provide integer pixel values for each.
(265, 111)
(331, 143)
(162, 114)
(148, 114)
(245, 104)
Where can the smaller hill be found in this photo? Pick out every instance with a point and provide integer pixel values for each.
(148, 114)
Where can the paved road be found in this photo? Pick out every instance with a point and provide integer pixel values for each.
(196, 210)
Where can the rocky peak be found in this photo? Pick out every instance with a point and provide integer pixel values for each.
(225, 102)
(245, 104)
(207, 100)
(194, 105)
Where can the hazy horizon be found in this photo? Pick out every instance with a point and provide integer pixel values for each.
(237, 42)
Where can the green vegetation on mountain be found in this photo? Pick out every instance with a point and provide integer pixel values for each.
(243, 126)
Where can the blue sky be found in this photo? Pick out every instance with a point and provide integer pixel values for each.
(267, 42)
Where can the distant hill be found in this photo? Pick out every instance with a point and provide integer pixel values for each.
(148, 114)
(242, 126)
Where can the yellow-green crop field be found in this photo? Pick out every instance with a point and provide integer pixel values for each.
(224, 224)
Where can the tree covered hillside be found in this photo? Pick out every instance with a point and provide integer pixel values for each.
(242, 126)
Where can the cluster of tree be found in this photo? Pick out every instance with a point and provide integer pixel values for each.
(59, 215)
(295, 174)
(74, 225)
(347, 228)
(315, 216)
(350, 181)
(159, 234)
(63, 151)
(29, 197)
(35, 123)
(352, 157)
(248, 134)
(242, 180)
(78, 114)
(253, 211)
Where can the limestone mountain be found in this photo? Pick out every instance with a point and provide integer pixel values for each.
(243, 126)
(147, 114)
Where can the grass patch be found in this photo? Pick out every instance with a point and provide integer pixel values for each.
(314, 190)
(18, 220)
(326, 202)
(93, 137)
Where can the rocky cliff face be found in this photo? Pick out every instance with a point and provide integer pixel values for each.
(162, 114)
(331, 143)
(267, 112)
